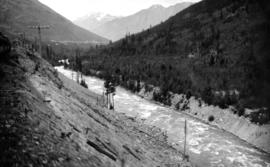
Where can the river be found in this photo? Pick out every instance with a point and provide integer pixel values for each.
(207, 146)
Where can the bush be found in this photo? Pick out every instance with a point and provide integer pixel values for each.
(211, 118)
(240, 110)
(188, 95)
(207, 95)
(83, 83)
(261, 117)
(220, 101)
(177, 106)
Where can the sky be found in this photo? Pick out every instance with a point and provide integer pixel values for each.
(73, 9)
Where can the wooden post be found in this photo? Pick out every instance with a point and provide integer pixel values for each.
(39, 39)
(78, 77)
(108, 103)
(22, 38)
(113, 100)
(77, 62)
(185, 142)
(103, 99)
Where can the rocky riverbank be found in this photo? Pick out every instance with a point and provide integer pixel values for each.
(240, 126)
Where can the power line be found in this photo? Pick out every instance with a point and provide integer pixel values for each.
(39, 28)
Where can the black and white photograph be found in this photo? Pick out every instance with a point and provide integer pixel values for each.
(134, 83)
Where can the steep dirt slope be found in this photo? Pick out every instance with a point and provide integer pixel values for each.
(48, 120)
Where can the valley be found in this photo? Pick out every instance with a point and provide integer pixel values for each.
(207, 145)
(186, 85)
(49, 120)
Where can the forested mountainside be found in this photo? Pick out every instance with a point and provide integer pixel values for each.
(214, 50)
(18, 15)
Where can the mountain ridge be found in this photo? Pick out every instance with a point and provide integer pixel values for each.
(119, 27)
(18, 15)
(94, 20)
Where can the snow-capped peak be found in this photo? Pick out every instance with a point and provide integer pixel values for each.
(98, 16)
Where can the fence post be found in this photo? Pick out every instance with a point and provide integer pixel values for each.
(185, 142)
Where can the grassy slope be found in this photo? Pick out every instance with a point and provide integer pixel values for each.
(210, 47)
(48, 120)
(17, 15)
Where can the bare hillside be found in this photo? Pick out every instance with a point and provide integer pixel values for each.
(49, 120)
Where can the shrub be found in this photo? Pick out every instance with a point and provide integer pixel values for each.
(83, 83)
(148, 88)
(177, 106)
(211, 118)
(188, 95)
(240, 110)
(261, 117)
(220, 101)
(207, 95)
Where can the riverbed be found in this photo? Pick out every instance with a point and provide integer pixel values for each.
(207, 146)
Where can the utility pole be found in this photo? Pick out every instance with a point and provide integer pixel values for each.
(39, 28)
(21, 38)
(113, 94)
(185, 142)
(109, 92)
(78, 65)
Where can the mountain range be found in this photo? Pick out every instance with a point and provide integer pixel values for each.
(17, 15)
(114, 28)
(92, 21)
